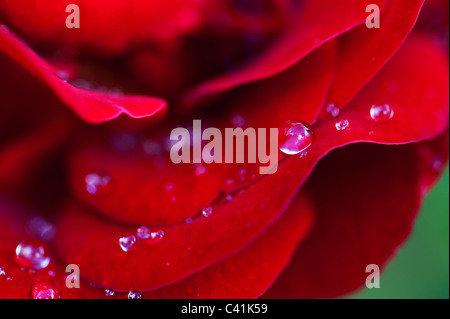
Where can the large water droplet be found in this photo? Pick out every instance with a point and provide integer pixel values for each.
(134, 295)
(342, 125)
(381, 112)
(207, 211)
(96, 184)
(295, 137)
(32, 254)
(44, 291)
(127, 243)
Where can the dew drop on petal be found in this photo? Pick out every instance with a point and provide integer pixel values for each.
(207, 211)
(157, 235)
(97, 184)
(332, 110)
(189, 220)
(134, 295)
(381, 112)
(342, 125)
(44, 291)
(109, 292)
(32, 254)
(229, 198)
(295, 137)
(127, 243)
(143, 232)
(2, 273)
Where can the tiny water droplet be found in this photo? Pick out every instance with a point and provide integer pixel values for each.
(229, 182)
(332, 110)
(44, 291)
(152, 147)
(143, 232)
(381, 112)
(295, 137)
(127, 243)
(229, 198)
(342, 125)
(97, 184)
(169, 187)
(2, 273)
(32, 254)
(199, 170)
(41, 228)
(157, 235)
(207, 211)
(134, 295)
(51, 273)
(9, 278)
(109, 292)
(189, 220)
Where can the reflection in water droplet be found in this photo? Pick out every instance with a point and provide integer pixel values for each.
(134, 295)
(109, 292)
(342, 125)
(381, 112)
(332, 110)
(207, 211)
(295, 137)
(32, 254)
(44, 291)
(97, 184)
(127, 243)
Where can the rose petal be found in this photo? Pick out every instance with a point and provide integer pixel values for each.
(373, 194)
(311, 27)
(364, 51)
(91, 106)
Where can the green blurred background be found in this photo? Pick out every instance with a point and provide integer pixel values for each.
(421, 269)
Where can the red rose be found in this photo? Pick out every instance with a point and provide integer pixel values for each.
(78, 177)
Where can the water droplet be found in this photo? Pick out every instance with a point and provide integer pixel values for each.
(169, 187)
(51, 273)
(44, 291)
(127, 243)
(381, 112)
(167, 264)
(9, 278)
(109, 292)
(207, 211)
(229, 198)
(189, 220)
(157, 235)
(2, 273)
(134, 295)
(32, 254)
(332, 110)
(143, 232)
(342, 125)
(41, 228)
(295, 137)
(229, 182)
(96, 184)
(199, 170)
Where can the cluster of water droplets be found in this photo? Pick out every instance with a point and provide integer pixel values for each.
(152, 236)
